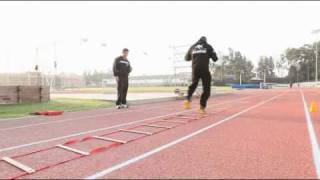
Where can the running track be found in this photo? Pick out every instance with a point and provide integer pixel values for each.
(249, 134)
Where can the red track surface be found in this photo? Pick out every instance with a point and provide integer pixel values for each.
(252, 134)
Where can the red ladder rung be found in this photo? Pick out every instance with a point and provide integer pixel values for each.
(73, 141)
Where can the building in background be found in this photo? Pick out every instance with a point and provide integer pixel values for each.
(69, 81)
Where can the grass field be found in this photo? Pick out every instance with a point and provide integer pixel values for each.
(147, 89)
(19, 110)
(67, 104)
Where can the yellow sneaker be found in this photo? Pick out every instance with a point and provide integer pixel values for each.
(202, 111)
(187, 104)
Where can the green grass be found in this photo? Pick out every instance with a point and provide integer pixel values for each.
(20, 110)
(67, 104)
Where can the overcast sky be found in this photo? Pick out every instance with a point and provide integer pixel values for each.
(148, 29)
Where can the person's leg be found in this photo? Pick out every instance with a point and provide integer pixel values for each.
(191, 89)
(193, 86)
(125, 90)
(119, 89)
(206, 83)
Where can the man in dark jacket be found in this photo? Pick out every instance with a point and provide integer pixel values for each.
(121, 70)
(200, 53)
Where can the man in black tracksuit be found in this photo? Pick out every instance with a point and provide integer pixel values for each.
(200, 54)
(121, 70)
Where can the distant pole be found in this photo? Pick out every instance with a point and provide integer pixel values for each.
(37, 67)
(297, 75)
(316, 62)
(298, 66)
(308, 70)
(264, 77)
(53, 81)
(55, 51)
(240, 77)
(315, 32)
(221, 73)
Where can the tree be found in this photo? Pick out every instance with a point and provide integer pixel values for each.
(292, 74)
(235, 63)
(282, 66)
(218, 69)
(266, 67)
(304, 57)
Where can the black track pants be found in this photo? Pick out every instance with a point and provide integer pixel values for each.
(206, 83)
(122, 82)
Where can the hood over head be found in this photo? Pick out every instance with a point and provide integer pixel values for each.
(202, 40)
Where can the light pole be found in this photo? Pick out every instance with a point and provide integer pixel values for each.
(241, 77)
(315, 32)
(221, 71)
(316, 61)
(298, 69)
(265, 75)
(52, 81)
(36, 68)
(302, 59)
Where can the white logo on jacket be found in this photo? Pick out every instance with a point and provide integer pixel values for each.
(124, 62)
(199, 49)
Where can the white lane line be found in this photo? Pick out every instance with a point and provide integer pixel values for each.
(110, 127)
(163, 147)
(313, 137)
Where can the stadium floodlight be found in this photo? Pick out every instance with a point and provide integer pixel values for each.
(315, 32)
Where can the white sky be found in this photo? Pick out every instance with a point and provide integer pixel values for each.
(254, 28)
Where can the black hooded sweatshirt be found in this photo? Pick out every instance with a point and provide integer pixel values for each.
(200, 54)
(121, 67)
